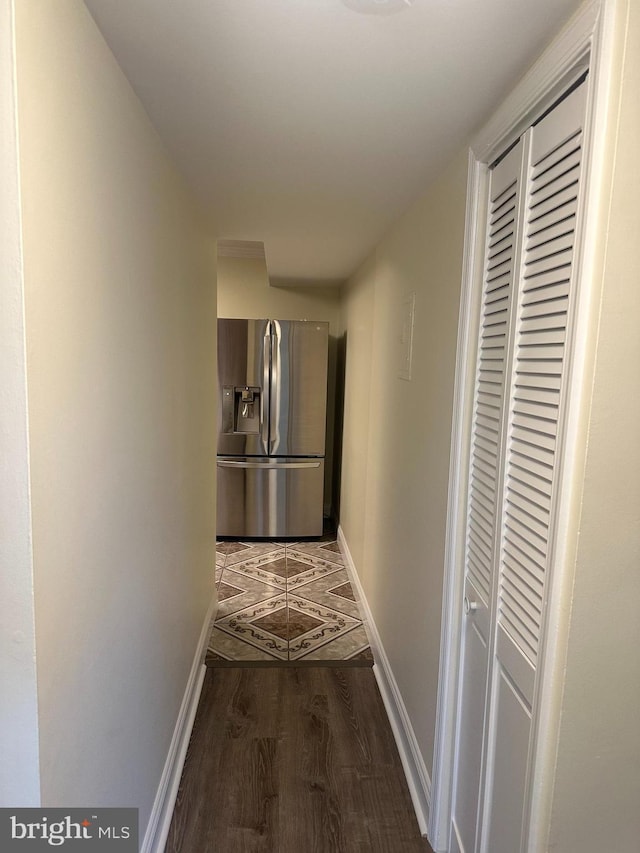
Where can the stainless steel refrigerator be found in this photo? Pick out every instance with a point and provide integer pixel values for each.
(272, 385)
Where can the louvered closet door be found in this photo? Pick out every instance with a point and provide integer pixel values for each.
(484, 485)
(532, 452)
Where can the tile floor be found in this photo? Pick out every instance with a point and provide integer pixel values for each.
(285, 602)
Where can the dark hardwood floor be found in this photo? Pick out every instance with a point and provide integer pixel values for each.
(293, 760)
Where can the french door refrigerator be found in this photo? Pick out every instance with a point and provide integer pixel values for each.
(272, 385)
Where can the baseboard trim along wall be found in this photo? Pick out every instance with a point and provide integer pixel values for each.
(412, 762)
(155, 836)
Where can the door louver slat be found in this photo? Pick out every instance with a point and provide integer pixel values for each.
(548, 381)
(518, 631)
(527, 526)
(556, 155)
(536, 512)
(536, 455)
(536, 393)
(524, 594)
(488, 402)
(516, 565)
(556, 179)
(554, 202)
(547, 306)
(549, 285)
(523, 459)
(545, 233)
(547, 246)
(538, 365)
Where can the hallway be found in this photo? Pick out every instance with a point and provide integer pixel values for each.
(125, 239)
(293, 760)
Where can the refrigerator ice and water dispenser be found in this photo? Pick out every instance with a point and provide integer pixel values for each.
(241, 412)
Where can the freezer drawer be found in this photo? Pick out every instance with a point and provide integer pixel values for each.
(269, 497)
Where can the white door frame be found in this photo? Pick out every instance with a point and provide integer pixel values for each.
(590, 40)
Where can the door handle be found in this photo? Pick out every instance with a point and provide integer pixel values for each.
(469, 606)
(266, 388)
(271, 466)
(276, 381)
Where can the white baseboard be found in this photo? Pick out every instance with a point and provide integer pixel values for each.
(155, 837)
(412, 762)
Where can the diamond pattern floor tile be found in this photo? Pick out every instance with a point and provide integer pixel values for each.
(225, 590)
(267, 568)
(246, 625)
(286, 603)
(330, 624)
(323, 551)
(251, 591)
(348, 646)
(333, 590)
(226, 647)
(250, 551)
(230, 547)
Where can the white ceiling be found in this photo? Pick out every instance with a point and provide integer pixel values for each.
(310, 127)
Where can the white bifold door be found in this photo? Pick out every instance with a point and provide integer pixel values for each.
(523, 359)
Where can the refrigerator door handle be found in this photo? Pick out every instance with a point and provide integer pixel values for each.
(227, 463)
(265, 397)
(274, 396)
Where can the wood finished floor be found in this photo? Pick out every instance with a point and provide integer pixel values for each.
(293, 760)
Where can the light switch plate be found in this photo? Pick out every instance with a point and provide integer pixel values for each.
(406, 336)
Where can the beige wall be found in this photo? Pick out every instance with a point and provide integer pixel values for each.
(597, 785)
(357, 323)
(244, 291)
(397, 434)
(19, 773)
(120, 307)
